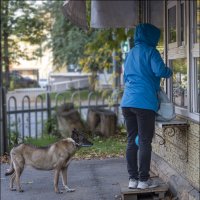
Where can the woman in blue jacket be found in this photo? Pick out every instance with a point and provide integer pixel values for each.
(143, 70)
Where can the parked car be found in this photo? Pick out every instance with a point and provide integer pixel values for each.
(43, 83)
(22, 82)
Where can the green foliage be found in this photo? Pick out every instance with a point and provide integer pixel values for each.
(50, 126)
(71, 45)
(98, 53)
(67, 41)
(180, 66)
(43, 141)
(14, 135)
(114, 146)
(102, 147)
(14, 139)
(21, 22)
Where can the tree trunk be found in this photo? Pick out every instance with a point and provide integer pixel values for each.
(102, 120)
(108, 123)
(93, 119)
(5, 47)
(68, 119)
(93, 81)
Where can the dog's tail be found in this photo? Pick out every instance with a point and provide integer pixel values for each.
(11, 170)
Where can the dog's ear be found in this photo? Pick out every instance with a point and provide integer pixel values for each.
(74, 135)
(74, 130)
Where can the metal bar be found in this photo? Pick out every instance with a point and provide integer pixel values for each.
(48, 106)
(9, 116)
(3, 140)
(36, 125)
(5, 143)
(23, 124)
(39, 110)
(56, 97)
(39, 107)
(79, 99)
(54, 107)
(42, 115)
(90, 96)
(15, 114)
(29, 119)
(31, 110)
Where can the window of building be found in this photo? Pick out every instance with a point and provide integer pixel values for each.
(197, 86)
(176, 19)
(172, 36)
(195, 53)
(196, 9)
(182, 22)
(160, 46)
(180, 82)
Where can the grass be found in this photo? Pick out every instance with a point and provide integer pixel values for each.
(104, 148)
(113, 146)
(43, 141)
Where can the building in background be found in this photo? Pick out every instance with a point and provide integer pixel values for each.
(34, 69)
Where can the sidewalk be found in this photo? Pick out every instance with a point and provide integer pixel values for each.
(92, 179)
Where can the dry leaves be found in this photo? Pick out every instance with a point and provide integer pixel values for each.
(4, 158)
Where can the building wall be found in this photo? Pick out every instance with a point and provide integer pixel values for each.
(181, 17)
(176, 146)
(42, 65)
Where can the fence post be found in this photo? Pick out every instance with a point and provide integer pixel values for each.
(3, 122)
(49, 110)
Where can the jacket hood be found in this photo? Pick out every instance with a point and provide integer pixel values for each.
(147, 33)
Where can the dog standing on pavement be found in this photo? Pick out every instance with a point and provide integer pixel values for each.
(54, 157)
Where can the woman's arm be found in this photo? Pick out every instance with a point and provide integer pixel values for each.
(158, 66)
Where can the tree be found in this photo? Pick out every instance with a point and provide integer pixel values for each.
(98, 54)
(21, 22)
(92, 50)
(67, 41)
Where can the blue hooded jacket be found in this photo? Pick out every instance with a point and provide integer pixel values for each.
(143, 70)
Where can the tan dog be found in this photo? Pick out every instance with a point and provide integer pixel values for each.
(54, 157)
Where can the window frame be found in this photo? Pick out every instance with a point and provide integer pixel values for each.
(187, 49)
(184, 42)
(171, 85)
(193, 6)
(195, 53)
(171, 4)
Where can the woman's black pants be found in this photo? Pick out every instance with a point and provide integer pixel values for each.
(141, 122)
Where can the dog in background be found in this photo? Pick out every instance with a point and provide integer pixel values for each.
(53, 157)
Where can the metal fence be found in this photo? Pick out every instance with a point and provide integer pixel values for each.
(27, 115)
(3, 125)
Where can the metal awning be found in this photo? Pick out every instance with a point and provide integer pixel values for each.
(113, 13)
(75, 11)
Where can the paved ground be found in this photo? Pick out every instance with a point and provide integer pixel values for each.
(92, 179)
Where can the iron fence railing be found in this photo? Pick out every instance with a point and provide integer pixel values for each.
(3, 123)
(27, 117)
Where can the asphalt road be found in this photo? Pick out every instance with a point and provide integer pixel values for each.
(92, 179)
